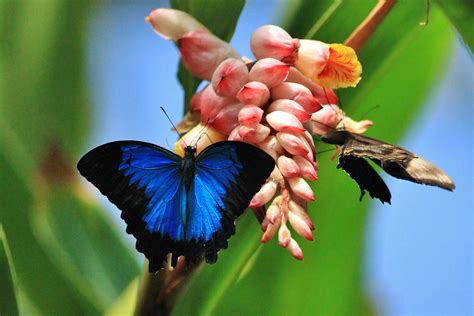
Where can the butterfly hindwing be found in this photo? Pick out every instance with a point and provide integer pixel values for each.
(165, 211)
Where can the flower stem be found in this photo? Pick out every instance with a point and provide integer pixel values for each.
(158, 292)
(362, 33)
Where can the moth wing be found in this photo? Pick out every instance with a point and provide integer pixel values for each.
(398, 162)
(366, 177)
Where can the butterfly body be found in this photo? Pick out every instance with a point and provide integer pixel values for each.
(396, 161)
(184, 206)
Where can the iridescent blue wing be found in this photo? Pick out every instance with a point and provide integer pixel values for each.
(145, 182)
(228, 174)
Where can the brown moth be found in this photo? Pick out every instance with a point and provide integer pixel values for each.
(396, 161)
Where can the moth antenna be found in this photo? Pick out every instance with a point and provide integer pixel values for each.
(370, 110)
(324, 151)
(180, 135)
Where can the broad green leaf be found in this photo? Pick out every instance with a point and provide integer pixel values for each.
(43, 97)
(461, 14)
(8, 291)
(125, 303)
(401, 63)
(220, 17)
(43, 284)
(43, 102)
(84, 245)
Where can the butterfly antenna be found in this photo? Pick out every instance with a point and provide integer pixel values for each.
(180, 135)
(200, 133)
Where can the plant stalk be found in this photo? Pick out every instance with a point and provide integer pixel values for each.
(362, 33)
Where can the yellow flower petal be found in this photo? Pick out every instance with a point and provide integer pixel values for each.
(342, 70)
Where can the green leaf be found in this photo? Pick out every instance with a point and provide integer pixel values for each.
(43, 102)
(401, 63)
(43, 96)
(461, 14)
(220, 17)
(38, 278)
(8, 291)
(125, 303)
(84, 245)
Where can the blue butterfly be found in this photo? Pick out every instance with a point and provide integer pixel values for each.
(184, 206)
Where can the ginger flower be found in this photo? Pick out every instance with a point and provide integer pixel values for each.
(271, 103)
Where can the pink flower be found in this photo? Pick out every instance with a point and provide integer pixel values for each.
(173, 24)
(229, 77)
(272, 103)
(269, 71)
(290, 106)
(202, 52)
(273, 41)
(329, 65)
(298, 93)
(254, 92)
(285, 122)
(250, 115)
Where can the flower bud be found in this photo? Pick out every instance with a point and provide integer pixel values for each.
(301, 188)
(269, 71)
(273, 41)
(267, 191)
(307, 169)
(288, 167)
(202, 51)
(297, 92)
(254, 135)
(284, 236)
(227, 119)
(173, 24)
(229, 77)
(290, 106)
(271, 146)
(254, 92)
(325, 119)
(285, 122)
(300, 211)
(352, 126)
(320, 94)
(270, 231)
(250, 115)
(294, 144)
(312, 58)
(300, 226)
(211, 104)
(235, 136)
(273, 213)
(295, 250)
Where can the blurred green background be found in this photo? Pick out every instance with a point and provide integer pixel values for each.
(76, 74)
